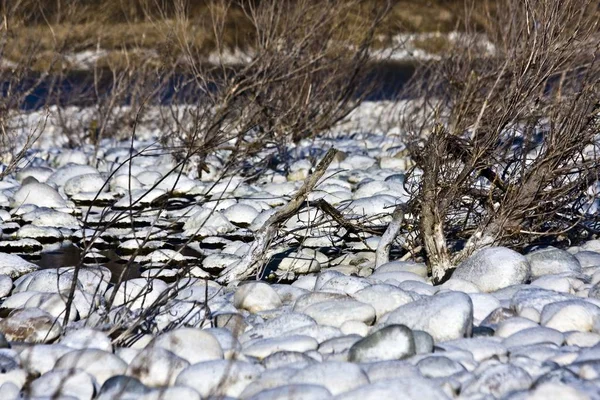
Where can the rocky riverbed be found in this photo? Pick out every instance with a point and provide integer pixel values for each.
(147, 318)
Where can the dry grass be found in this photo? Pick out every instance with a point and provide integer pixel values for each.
(128, 29)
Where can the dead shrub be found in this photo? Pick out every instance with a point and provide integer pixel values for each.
(505, 132)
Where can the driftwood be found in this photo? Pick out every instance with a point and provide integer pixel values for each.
(382, 254)
(251, 260)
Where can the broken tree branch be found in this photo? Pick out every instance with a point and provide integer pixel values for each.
(250, 262)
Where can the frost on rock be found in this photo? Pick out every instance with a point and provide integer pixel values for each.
(38, 194)
(14, 266)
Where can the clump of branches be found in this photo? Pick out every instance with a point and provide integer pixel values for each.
(301, 72)
(505, 131)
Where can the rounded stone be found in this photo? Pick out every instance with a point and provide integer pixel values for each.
(74, 383)
(255, 297)
(445, 316)
(100, 364)
(30, 325)
(336, 312)
(293, 392)
(265, 347)
(219, 377)
(551, 260)
(155, 366)
(337, 377)
(191, 344)
(494, 268)
(393, 342)
(122, 387)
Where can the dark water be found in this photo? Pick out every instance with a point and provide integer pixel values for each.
(384, 81)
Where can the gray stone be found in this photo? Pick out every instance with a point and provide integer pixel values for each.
(383, 298)
(30, 325)
(482, 348)
(293, 392)
(256, 296)
(14, 266)
(423, 342)
(54, 384)
(588, 258)
(536, 298)
(534, 336)
(571, 315)
(191, 344)
(393, 342)
(439, 367)
(122, 387)
(155, 366)
(498, 381)
(409, 388)
(337, 377)
(100, 364)
(551, 260)
(445, 316)
(404, 266)
(283, 359)
(386, 370)
(494, 268)
(278, 326)
(219, 377)
(336, 312)
(262, 348)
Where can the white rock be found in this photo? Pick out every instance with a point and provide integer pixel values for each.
(91, 183)
(137, 293)
(552, 282)
(513, 325)
(172, 393)
(392, 342)
(552, 261)
(498, 381)
(263, 348)
(52, 218)
(86, 338)
(77, 384)
(14, 266)
(459, 285)
(572, 315)
(343, 284)
(30, 325)
(494, 268)
(404, 266)
(155, 366)
(445, 316)
(411, 389)
(207, 222)
(219, 377)
(38, 194)
(293, 392)
(533, 336)
(100, 364)
(191, 344)
(124, 183)
(255, 297)
(41, 358)
(336, 312)
(6, 285)
(278, 326)
(556, 390)
(582, 339)
(64, 173)
(337, 377)
(241, 214)
(383, 298)
(483, 305)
